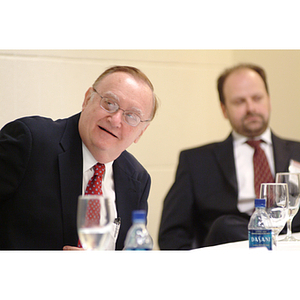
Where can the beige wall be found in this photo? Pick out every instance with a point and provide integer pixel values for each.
(53, 83)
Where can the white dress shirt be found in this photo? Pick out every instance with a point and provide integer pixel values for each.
(108, 188)
(243, 156)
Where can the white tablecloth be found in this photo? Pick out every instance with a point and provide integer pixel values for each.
(244, 245)
(234, 272)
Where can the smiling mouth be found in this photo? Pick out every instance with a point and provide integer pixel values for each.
(107, 131)
(253, 117)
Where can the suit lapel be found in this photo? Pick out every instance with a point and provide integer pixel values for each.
(127, 191)
(126, 188)
(70, 168)
(225, 158)
(281, 154)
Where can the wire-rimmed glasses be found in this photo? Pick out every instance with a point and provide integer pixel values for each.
(111, 106)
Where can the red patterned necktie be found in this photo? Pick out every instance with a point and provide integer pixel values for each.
(94, 187)
(262, 172)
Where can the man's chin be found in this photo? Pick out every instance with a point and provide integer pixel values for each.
(253, 132)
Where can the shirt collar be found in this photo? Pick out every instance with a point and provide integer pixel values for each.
(239, 139)
(89, 161)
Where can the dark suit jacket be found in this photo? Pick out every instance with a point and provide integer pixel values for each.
(41, 179)
(205, 188)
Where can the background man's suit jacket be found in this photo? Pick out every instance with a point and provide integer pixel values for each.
(41, 179)
(205, 188)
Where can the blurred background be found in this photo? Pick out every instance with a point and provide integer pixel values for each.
(52, 83)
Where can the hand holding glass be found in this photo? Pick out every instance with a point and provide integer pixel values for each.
(293, 182)
(276, 195)
(94, 231)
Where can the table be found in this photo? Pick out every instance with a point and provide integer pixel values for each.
(230, 271)
(244, 245)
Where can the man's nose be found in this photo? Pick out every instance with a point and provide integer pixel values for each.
(116, 118)
(250, 105)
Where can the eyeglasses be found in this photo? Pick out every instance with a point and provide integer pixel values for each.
(112, 106)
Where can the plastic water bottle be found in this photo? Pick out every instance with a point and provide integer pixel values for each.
(138, 237)
(259, 232)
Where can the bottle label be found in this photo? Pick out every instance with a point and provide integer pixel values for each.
(260, 238)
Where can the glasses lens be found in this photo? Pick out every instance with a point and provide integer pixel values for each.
(109, 105)
(131, 118)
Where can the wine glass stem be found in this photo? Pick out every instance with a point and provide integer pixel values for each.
(289, 227)
(275, 240)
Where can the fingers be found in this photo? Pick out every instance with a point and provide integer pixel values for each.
(68, 248)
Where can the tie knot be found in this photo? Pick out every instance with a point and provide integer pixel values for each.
(254, 144)
(99, 169)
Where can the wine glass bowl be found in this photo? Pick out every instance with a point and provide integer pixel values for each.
(94, 221)
(293, 182)
(276, 195)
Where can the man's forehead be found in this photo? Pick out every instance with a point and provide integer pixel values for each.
(242, 77)
(110, 83)
(115, 97)
(118, 77)
(242, 72)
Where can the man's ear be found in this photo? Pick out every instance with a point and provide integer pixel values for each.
(87, 97)
(138, 138)
(223, 107)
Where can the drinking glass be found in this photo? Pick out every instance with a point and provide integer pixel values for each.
(276, 195)
(94, 221)
(293, 182)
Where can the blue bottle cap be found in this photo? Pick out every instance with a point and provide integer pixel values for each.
(139, 216)
(260, 202)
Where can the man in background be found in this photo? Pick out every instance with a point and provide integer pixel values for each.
(45, 165)
(212, 198)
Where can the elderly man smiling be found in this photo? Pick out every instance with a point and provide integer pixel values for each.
(45, 165)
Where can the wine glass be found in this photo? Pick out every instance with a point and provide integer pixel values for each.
(293, 182)
(276, 195)
(94, 221)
